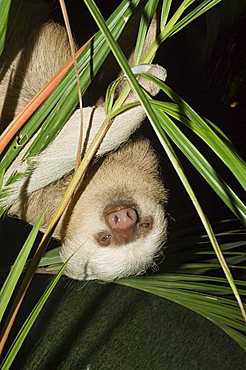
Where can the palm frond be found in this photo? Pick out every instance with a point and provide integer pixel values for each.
(208, 296)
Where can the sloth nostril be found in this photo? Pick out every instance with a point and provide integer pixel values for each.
(129, 215)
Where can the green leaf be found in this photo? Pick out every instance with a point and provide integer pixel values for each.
(1, 177)
(166, 5)
(18, 267)
(203, 166)
(200, 294)
(174, 26)
(219, 145)
(197, 12)
(51, 257)
(29, 323)
(147, 16)
(110, 94)
(4, 17)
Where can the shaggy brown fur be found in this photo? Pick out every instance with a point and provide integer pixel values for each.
(115, 224)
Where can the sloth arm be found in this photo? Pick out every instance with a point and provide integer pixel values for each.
(59, 158)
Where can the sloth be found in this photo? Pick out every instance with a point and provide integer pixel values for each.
(115, 224)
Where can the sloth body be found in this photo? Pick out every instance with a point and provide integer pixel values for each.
(115, 224)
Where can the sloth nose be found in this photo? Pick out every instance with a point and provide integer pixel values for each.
(122, 219)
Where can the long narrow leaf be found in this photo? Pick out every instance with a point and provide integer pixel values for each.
(174, 160)
(202, 165)
(174, 26)
(197, 12)
(18, 267)
(29, 323)
(224, 151)
(166, 5)
(221, 311)
(4, 15)
(147, 16)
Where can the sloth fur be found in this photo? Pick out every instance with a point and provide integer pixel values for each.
(115, 224)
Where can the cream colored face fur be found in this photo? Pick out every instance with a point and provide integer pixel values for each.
(115, 225)
(127, 178)
(91, 261)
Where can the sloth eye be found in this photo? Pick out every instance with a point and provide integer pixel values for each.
(147, 223)
(104, 238)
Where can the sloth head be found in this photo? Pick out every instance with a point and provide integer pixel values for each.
(117, 226)
(116, 243)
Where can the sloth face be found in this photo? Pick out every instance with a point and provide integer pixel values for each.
(120, 242)
(117, 226)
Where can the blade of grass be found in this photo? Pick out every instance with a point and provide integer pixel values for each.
(197, 12)
(4, 16)
(147, 16)
(166, 5)
(221, 311)
(51, 257)
(17, 268)
(72, 47)
(174, 110)
(203, 167)
(1, 177)
(110, 95)
(12, 280)
(177, 166)
(173, 26)
(7, 362)
(220, 146)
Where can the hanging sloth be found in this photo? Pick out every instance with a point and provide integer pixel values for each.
(115, 224)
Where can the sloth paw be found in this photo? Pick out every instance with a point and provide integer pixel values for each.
(152, 69)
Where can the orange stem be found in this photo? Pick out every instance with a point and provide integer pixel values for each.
(10, 323)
